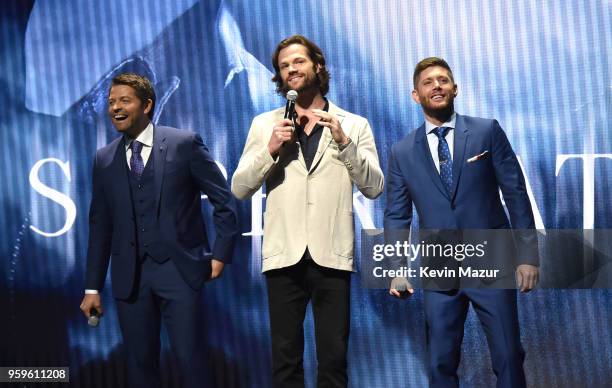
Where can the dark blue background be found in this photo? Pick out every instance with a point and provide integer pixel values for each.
(542, 68)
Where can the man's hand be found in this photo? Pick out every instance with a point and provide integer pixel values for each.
(281, 133)
(217, 268)
(401, 288)
(527, 277)
(329, 120)
(91, 301)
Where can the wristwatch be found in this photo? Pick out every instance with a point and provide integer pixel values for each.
(341, 147)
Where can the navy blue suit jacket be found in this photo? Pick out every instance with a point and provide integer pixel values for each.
(474, 201)
(183, 170)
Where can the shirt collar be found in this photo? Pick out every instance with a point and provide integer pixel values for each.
(450, 123)
(145, 137)
(325, 108)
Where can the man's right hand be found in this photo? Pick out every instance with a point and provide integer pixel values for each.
(91, 301)
(401, 288)
(281, 133)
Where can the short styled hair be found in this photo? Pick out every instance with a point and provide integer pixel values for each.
(429, 62)
(314, 53)
(142, 86)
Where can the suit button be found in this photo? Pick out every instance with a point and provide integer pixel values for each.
(140, 186)
(141, 201)
(453, 207)
(146, 245)
(143, 230)
(132, 243)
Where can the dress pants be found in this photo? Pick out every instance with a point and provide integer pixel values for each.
(445, 313)
(289, 291)
(161, 294)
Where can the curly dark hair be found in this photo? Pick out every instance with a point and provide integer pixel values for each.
(314, 53)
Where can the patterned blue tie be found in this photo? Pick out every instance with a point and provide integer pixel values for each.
(444, 155)
(136, 163)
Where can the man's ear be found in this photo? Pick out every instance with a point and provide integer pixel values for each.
(148, 107)
(319, 68)
(415, 97)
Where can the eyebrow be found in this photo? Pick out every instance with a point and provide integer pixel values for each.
(437, 76)
(293, 60)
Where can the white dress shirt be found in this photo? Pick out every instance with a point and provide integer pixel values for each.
(146, 138)
(432, 138)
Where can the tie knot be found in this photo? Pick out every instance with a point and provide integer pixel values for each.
(441, 132)
(136, 147)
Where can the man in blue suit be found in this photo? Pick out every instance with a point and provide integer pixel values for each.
(452, 168)
(146, 219)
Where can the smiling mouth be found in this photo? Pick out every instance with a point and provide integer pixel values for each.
(120, 117)
(438, 97)
(294, 78)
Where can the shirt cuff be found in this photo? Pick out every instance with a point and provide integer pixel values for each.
(91, 292)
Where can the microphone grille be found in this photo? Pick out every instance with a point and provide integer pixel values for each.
(292, 95)
(93, 321)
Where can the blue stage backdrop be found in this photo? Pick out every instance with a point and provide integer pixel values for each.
(542, 68)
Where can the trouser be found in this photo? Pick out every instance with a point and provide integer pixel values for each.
(289, 291)
(445, 313)
(161, 294)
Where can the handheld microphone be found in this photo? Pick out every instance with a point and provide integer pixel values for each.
(292, 95)
(94, 318)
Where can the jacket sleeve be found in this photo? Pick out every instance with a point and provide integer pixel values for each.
(361, 160)
(398, 212)
(211, 182)
(100, 235)
(255, 164)
(512, 184)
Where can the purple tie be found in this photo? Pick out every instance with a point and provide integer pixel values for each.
(136, 163)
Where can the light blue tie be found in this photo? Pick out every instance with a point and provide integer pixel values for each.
(444, 156)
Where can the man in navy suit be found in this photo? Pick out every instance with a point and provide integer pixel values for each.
(146, 219)
(452, 168)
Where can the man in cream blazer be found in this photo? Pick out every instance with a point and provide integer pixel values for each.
(309, 165)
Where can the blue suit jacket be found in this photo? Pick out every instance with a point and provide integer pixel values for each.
(474, 201)
(183, 170)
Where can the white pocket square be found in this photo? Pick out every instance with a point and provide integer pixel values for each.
(478, 157)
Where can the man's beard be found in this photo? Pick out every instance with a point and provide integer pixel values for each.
(310, 83)
(441, 113)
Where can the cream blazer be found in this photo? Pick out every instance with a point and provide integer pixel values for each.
(309, 208)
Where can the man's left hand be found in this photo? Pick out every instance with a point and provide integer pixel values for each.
(217, 268)
(331, 121)
(527, 277)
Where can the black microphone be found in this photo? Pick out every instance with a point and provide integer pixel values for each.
(290, 106)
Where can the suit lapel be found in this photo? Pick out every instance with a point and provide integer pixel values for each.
(279, 116)
(460, 143)
(423, 148)
(326, 137)
(120, 169)
(159, 161)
